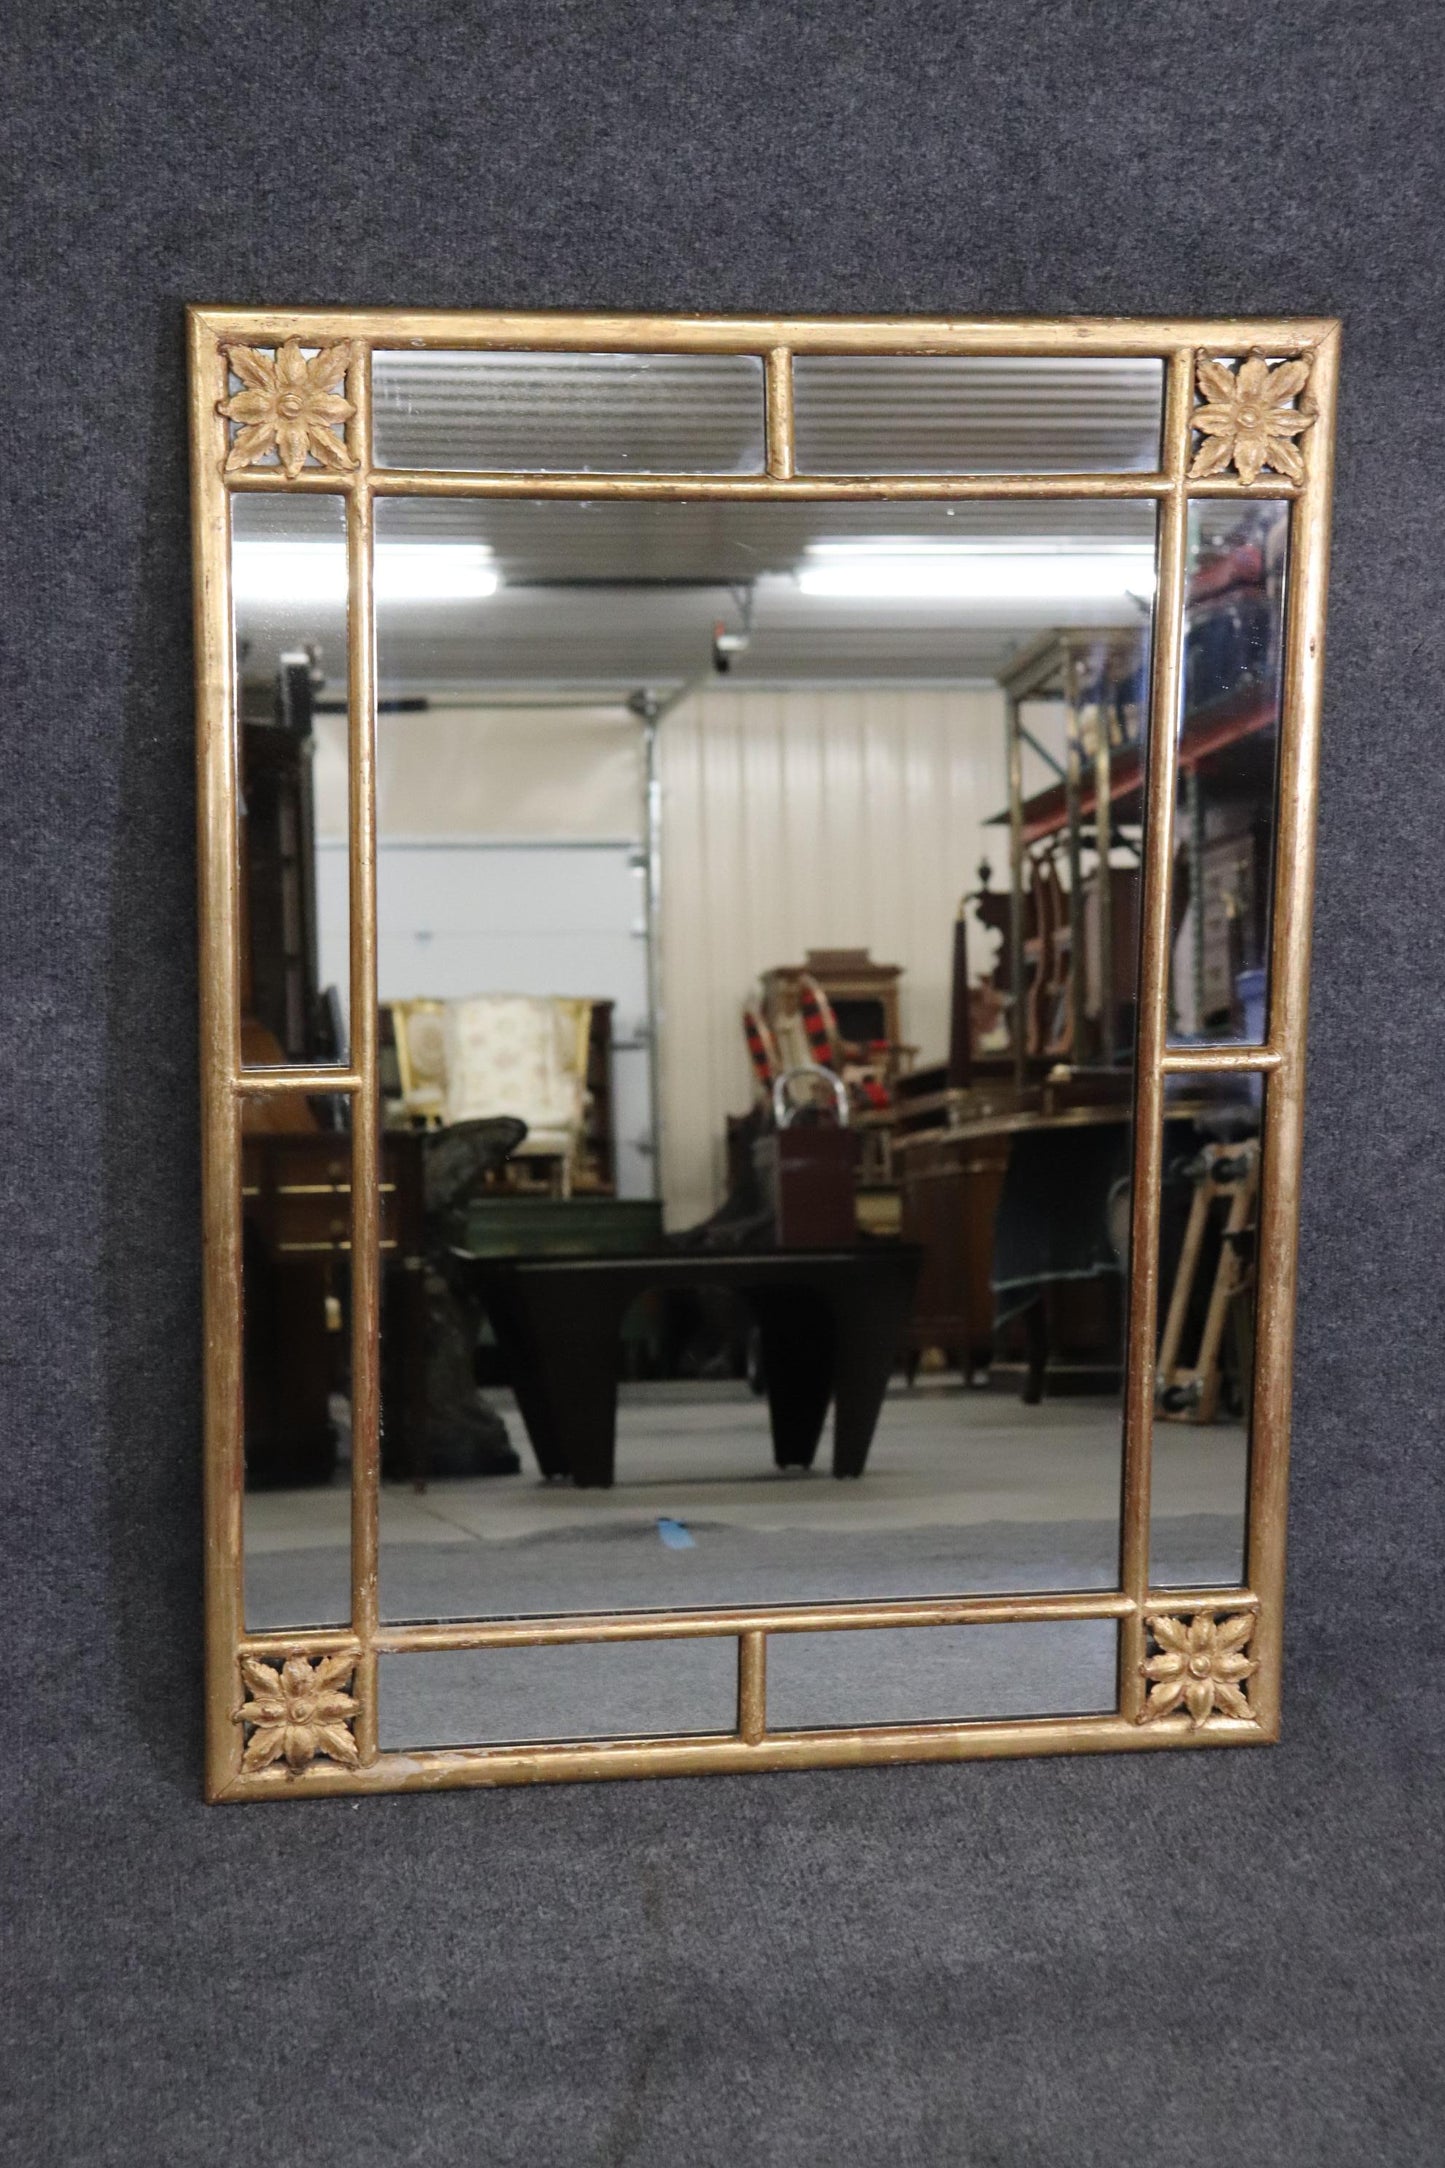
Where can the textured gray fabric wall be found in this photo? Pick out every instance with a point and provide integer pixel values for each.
(1190, 1958)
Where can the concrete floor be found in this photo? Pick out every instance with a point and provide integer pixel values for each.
(965, 1492)
(962, 1490)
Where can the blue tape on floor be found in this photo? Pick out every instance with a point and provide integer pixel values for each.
(674, 1534)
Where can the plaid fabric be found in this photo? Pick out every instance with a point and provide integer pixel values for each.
(762, 1049)
(819, 1023)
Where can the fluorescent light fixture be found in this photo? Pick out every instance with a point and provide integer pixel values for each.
(305, 574)
(975, 572)
(435, 572)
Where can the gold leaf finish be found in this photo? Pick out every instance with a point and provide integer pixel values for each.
(1248, 418)
(1199, 1667)
(1206, 1677)
(288, 404)
(299, 1712)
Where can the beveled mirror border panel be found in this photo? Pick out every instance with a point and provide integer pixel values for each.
(295, 1714)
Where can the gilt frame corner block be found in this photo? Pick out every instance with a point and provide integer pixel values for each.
(281, 399)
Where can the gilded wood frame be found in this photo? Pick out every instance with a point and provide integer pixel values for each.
(319, 1687)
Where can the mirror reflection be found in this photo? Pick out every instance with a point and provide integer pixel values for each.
(758, 891)
(1228, 747)
(1228, 752)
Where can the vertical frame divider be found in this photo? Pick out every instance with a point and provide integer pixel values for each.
(1103, 857)
(778, 413)
(752, 1686)
(366, 1105)
(1152, 1029)
(1014, 761)
(220, 1003)
(1073, 779)
(1289, 983)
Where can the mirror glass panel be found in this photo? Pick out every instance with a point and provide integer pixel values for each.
(660, 1290)
(599, 1690)
(288, 557)
(569, 413)
(1228, 762)
(1208, 1296)
(296, 1356)
(974, 414)
(758, 893)
(288, 575)
(1222, 896)
(942, 1674)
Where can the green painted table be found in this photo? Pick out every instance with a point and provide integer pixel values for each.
(563, 1226)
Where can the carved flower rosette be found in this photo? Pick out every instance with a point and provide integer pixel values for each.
(1198, 1668)
(288, 405)
(298, 1713)
(1249, 417)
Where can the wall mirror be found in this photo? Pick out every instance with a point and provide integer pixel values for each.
(755, 909)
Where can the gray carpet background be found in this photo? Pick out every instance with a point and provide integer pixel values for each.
(1188, 1957)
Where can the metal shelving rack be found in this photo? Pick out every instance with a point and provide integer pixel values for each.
(1098, 797)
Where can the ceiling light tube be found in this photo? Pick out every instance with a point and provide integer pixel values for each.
(283, 574)
(966, 573)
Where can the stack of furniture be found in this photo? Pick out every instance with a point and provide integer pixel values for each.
(278, 865)
(1067, 967)
(860, 1000)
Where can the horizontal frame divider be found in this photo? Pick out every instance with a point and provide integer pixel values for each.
(794, 1619)
(278, 1641)
(756, 486)
(273, 1083)
(1220, 1060)
(759, 485)
(520, 1633)
(1161, 1602)
(719, 1625)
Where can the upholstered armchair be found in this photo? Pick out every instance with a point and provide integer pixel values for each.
(524, 1055)
(419, 1028)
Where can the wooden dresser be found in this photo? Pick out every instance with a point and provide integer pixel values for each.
(296, 1201)
(950, 1188)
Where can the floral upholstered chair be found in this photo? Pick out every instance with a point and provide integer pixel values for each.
(419, 1028)
(523, 1055)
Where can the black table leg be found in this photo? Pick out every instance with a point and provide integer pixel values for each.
(797, 1351)
(577, 1332)
(410, 1311)
(526, 1368)
(1036, 1351)
(869, 1323)
(830, 1328)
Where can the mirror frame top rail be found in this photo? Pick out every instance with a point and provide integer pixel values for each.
(307, 427)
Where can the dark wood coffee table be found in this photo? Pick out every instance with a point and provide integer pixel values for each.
(831, 1323)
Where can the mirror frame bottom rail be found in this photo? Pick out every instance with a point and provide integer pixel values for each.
(1248, 407)
(1181, 1625)
(725, 1754)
